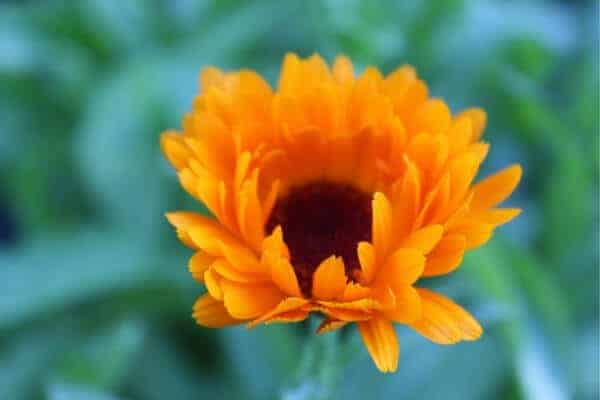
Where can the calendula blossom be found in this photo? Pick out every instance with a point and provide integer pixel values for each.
(333, 194)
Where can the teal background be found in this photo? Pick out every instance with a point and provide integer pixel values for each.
(95, 298)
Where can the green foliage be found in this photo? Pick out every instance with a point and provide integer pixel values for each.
(95, 298)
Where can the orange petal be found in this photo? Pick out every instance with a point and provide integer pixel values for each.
(269, 202)
(287, 317)
(248, 301)
(282, 273)
(497, 216)
(199, 231)
(405, 102)
(317, 69)
(289, 77)
(380, 339)
(211, 140)
(424, 239)
(211, 313)
(406, 199)
(199, 263)
(460, 134)
(243, 259)
(398, 81)
(494, 189)
(385, 297)
(343, 71)
(478, 119)
(229, 272)
(462, 172)
(446, 257)
(407, 306)
(329, 325)
(366, 257)
(226, 206)
(342, 314)
(211, 76)
(432, 117)
(250, 216)
(175, 149)
(274, 243)
(329, 280)
(445, 322)
(242, 167)
(201, 186)
(402, 268)
(366, 305)
(382, 225)
(212, 281)
(284, 307)
(355, 291)
(428, 152)
(475, 232)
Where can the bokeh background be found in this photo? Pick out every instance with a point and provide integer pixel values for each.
(95, 297)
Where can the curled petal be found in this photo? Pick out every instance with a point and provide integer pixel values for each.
(243, 259)
(366, 257)
(226, 270)
(285, 307)
(274, 243)
(198, 231)
(343, 314)
(366, 305)
(330, 325)
(287, 317)
(248, 301)
(211, 313)
(212, 281)
(282, 273)
(199, 263)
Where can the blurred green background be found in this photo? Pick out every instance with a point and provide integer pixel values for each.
(95, 297)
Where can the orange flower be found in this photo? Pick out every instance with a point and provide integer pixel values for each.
(333, 194)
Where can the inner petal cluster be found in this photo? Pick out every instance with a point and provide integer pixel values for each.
(320, 219)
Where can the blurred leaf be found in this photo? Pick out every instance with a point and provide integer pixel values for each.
(48, 275)
(105, 359)
(95, 297)
(264, 357)
(521, 287)
(60, 391)
(26, 356)
(163, 372)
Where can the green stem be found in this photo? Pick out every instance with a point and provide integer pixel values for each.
(320, 367)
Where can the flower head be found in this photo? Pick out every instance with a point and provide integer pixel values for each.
(333, 194)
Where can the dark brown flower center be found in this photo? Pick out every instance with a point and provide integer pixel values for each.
(321, 219)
